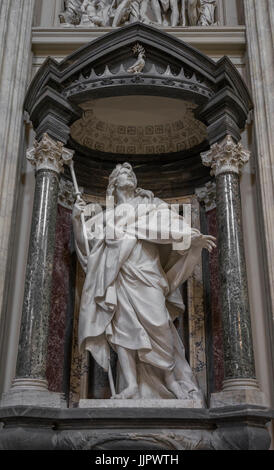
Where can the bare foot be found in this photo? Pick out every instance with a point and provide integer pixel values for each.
(174, 386)
(129, 392)
(176, 389)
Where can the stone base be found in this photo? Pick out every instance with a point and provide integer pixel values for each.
(27, 397)
(142, 403)
(238, 397)
(142, 429)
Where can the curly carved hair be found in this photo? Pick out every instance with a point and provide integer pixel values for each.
(113, 178)
(114, 175)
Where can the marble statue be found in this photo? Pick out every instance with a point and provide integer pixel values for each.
(72, 13)
(128, 11)
(161, 10)
(192, 12)
(96, 12)
(206, 12)
(115, 13)
(131, 292)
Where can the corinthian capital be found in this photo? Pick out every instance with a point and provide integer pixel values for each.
(226, 156)
(48, 154)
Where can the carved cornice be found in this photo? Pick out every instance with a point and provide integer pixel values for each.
(207, 195)
(48, 154)
(225, 157)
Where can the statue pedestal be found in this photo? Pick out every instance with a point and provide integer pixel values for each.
(142, 403)
(134, 428)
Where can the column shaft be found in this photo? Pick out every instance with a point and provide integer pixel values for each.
(31, 360)
(238, 347)
(239, 386)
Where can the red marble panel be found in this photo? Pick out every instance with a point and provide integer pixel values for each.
(60, 299)
(217, 331)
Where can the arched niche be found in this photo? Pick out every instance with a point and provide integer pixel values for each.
(160, 120)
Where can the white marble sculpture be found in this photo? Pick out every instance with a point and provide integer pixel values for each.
(206, 16)
(72, 13)
(95, 12)
(166, 12)
(115, 13)
(131, 293)
(128, 11)
(192, 12)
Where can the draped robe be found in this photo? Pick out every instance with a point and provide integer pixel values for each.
(131, 294)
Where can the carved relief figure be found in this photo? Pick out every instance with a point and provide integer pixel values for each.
(131, 293)
(206, 12)
(192, 11)
(163, 8)
(90, 14)
(119, 12)
(72, 13)
(128, 11)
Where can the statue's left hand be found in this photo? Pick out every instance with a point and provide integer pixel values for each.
(208, 242)
(79, 206)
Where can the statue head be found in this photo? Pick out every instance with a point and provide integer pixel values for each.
(122, 177)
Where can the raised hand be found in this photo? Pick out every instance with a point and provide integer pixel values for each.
(207, 242)
(79, 205)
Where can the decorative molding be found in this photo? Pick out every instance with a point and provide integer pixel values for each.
(207, 195)
(226, 157)
(48, 154)
(214, 40)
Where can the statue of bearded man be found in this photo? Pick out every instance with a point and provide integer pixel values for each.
(131, 294)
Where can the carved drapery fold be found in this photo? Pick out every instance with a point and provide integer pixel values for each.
(102, 13)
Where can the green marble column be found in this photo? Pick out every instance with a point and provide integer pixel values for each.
(226, 159)
(47, 157)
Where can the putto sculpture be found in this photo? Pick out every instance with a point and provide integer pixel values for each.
(115, 13)
(134, 268)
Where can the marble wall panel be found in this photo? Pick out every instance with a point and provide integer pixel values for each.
(60, 323)
(196, 312)
(79, 362)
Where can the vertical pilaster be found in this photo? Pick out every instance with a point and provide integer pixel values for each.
(259, 20)
(30, 385)
(240, 385)
(15, 56)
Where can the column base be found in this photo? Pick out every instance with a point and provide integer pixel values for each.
(238, 392)
(32, 392)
